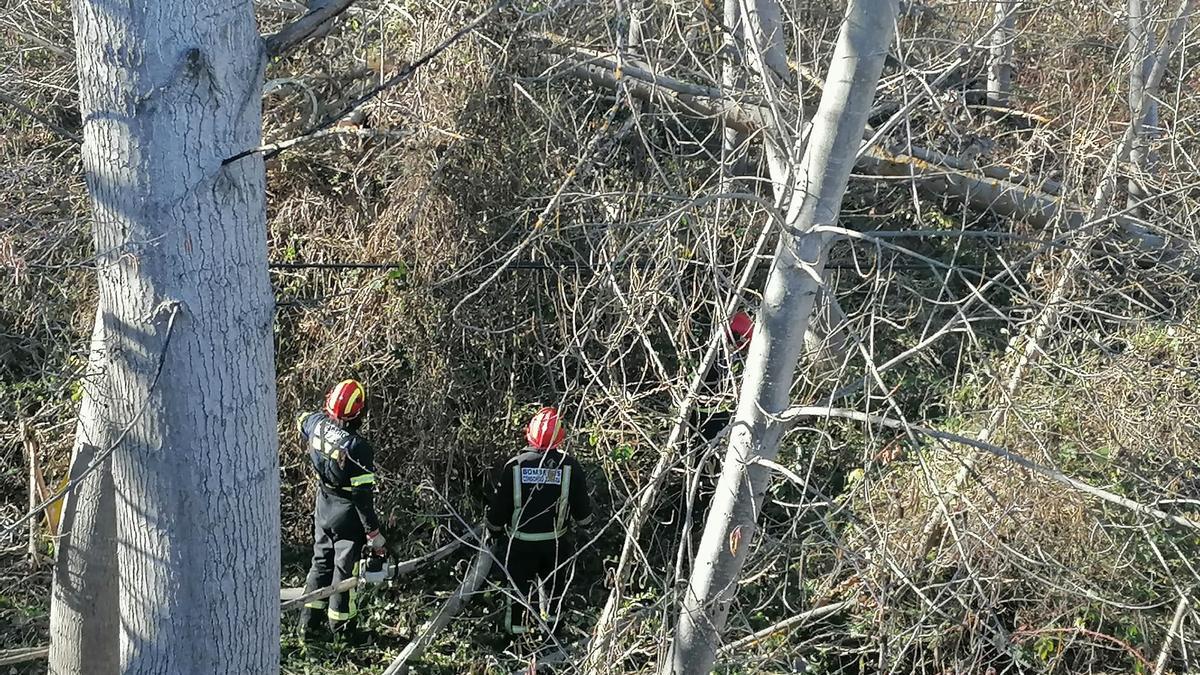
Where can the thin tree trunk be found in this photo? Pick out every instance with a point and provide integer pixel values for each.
(169, 88)
(600, 651)
(764, 50)
(1000, 59)
(733, 141)
(1141, 61)
(764, 33)
(791, 289)
(84, 598)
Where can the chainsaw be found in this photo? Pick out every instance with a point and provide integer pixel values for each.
(379, 568)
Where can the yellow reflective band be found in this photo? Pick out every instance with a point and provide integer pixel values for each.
(364, 479)
(354, 591)
(340, 616)
(537, 536)
(354, 396)
(508, 619)
(300, 422)
(316, 604)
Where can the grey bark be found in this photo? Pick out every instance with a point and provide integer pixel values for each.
(765, 52)
(1000, 66)
(84, 598)
(1141, 44)
(791, 289)
(168, 89)
(764, 35)
(314, 25)
(732, 140)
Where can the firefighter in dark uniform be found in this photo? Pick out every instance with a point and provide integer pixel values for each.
(714, 409)
(535, 496)
(344, 516)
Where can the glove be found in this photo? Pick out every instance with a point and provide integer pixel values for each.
(375, 540)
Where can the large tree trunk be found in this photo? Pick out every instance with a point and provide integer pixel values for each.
(168, 89)
(83, 605)
(791, 289)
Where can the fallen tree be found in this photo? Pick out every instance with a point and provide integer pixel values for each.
(290, 598)
(938, 175)
(294, 598)
(471, 583)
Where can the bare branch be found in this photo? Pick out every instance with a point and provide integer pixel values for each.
(794, 414)
(290, 36)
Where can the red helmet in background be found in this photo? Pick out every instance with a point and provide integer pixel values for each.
(346, 401)
(741, 328)
(545, 431)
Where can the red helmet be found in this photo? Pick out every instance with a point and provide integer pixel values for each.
(741, 328)
(346, 401)
(545, 431)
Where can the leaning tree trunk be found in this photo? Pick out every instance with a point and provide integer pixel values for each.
(791, 289)
(168, 89)
(84, 600)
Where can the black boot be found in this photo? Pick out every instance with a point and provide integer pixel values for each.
(347, 631)
(312, 625)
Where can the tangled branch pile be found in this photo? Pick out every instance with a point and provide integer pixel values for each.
(542, 216)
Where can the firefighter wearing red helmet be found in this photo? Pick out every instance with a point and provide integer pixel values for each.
(344, 516)
(534, 498)
(714, 410)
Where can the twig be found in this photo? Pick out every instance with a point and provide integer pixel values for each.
(10, 657)
(800, 619)
(1160, 664)
(301, 29)
(794, 414)
(30, 445)
(319, 594)
(582, 166)
(22, 108)
(404, 74)
(1090, 633)
(276, 147)
(1046, 320)
(981, 192)
(99, 458)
